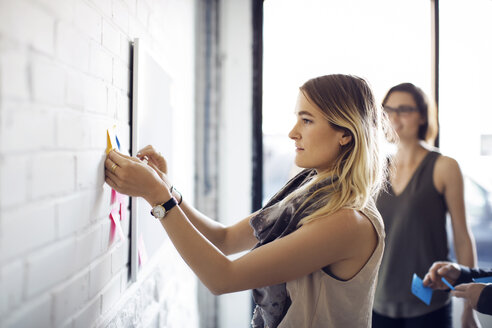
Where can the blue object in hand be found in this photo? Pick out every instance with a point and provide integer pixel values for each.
(422, 292)
(447, 283)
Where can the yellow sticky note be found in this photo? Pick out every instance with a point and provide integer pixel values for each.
(111, 140)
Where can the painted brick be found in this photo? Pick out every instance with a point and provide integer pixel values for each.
(124, 107)
(109, 237)
(48, 82)
(62, 10)
(13, 175)
(72, 47)
(100, 274)
(101, 63)
(88, 20)
(44, 269)
(72, 214)
(121, 75)
(90, 169)
(26, 23)
(89, 314)
(110, 294)
(27, 228)
(14, 74)
(73, 130)
(125, 279)
(137, 29)
(121, 15)
(143, 13)
(75, 89)
(88, 247)
(98, 133)
(70, 297)
(96, 96)
(11, 286)
(111, 38)
(126, 49)
(21, 120)
(132, 6)
(105, 6)
(99, 205)
(36, 313)
(120, 256)
(112, 102)
(49, 165)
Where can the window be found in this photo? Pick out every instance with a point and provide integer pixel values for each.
(386, 44)
(465, 109)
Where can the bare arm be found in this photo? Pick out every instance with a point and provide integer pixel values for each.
(450, 179)
(229, 240)
(329, 240)
(344, 237)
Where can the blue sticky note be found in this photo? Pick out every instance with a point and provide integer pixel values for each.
(483, 280)
(422, 292)
(447, 283)
(118, 142)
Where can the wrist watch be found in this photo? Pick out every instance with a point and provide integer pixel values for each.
(160, 211)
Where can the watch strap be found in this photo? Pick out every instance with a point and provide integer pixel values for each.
(170, 204)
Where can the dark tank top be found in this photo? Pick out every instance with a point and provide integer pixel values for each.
(415, 224)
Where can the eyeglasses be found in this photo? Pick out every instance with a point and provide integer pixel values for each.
(401, 110)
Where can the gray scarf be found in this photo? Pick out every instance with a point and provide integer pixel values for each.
(276, 220)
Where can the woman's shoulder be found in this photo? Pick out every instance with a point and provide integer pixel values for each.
(446, 164)
(348, 220)
(447, 172)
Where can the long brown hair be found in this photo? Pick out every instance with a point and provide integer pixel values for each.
(348, 104)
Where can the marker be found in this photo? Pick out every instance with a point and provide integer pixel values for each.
(447, 283)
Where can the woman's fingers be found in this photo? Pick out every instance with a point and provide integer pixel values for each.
(114, 178)
(154, 157)
(431, 278)
(111, 166)
(146, 151)
(111, 183)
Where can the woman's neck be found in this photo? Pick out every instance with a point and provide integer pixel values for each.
(409, 151)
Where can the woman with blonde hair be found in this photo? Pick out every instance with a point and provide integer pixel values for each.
(316, 246)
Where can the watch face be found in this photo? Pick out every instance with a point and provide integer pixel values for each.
(159, 211)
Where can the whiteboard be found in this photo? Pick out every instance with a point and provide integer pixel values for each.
(151, 125)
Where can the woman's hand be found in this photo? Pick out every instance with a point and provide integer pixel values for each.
(450, 271)
(131, 176)
(155, 159)
(469, 292)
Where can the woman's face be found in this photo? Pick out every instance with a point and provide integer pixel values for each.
(404, 115)
(317, 142)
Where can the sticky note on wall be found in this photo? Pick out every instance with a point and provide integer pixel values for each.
(112, 142)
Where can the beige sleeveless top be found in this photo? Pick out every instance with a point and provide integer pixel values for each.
(319, 300)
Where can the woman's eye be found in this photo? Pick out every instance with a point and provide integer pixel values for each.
(306, 121)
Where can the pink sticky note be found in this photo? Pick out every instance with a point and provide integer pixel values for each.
(122, 211)
(114, 217)
(114, 196)
(142, 251)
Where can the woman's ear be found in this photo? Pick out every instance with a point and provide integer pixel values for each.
(346, 138)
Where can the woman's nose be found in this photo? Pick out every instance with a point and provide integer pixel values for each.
(293, 133)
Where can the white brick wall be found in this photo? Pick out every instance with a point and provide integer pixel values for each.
(65, 76)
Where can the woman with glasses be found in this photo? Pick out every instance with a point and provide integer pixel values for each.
(315, 247)
(423, 186)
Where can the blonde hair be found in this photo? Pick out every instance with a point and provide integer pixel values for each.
(348, 104)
